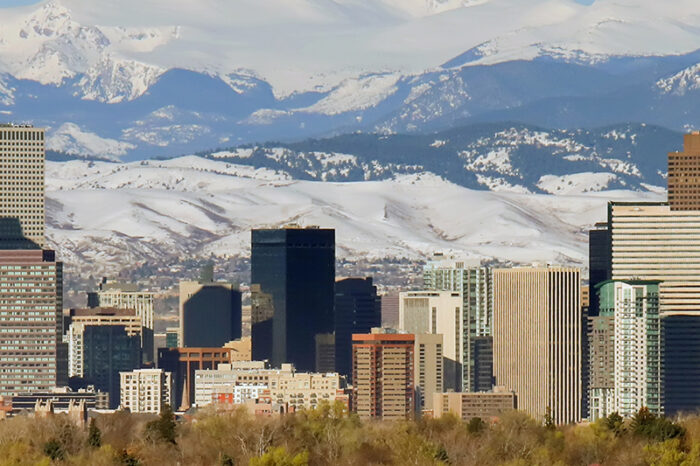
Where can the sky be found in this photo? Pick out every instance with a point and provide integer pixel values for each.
(10, 3)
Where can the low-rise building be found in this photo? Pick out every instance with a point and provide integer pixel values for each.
(145, 390)
(484, 405)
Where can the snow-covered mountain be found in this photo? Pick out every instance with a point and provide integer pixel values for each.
(104, 217)
(164, 77)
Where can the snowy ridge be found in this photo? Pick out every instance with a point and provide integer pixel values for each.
(161, 210)
(71, 139)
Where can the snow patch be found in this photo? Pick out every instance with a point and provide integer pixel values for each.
(71, 139)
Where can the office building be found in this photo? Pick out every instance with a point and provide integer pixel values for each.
(437, 312)
(601, 357)
(684, 175)
(60, 399)
(474, 283)
(486, 406)
(182, 363)
(325, 352)
(21, 187)
(31, 302)
(79, 319)
(145, 390)
(537, 339)
(599, 262)
(383, 364)
(427, 370)
(262, 311)
(210, 313)
(172, 337)
(646, 239)
(296, 267)
(107, 351)
(121, 295)
(241, 350)
(681, 363)
(357, 310)
(390, 310)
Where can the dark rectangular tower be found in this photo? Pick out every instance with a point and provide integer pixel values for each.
(295, 268)
(358, 309)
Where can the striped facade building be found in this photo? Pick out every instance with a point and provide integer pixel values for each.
(537, 349)
(382, 375)
(650, 241)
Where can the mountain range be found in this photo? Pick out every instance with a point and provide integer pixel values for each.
(135, 80)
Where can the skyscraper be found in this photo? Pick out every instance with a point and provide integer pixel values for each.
(357, 310)
(474, 283)
(296, 268)
(427, 370)
(21, 187)
(684, 175)
(681, 363)
(537, 339)
(383, 386)
(598, 262)
(437, 312)
(32, 356)
(210, 313)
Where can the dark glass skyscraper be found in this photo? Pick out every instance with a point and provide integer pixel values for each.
(681, 363)
(108, 350)
(296, 268)
(210, 313)
(599, 262)
(357, 310)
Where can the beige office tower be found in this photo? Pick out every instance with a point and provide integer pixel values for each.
(438, 312)
(427, 370)
(21, 187)
(129, 296)
(652, 242)
(537, 339)
(31, 314)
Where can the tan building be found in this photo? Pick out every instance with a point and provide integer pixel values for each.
(428, 370)
(684, 175)
(383, 375)
(145, 390)
(306, 390)
(484, 405)
(537, 339)
(241, 350)
(21, 186)
(438, 312)
(652, 242)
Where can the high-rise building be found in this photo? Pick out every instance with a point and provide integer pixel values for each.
(182, 363)
(21, 187)
(437, 312)
(427, 370)
(390, 310)
(145, 390)
(122, 295)
(296, 267)
(486, 406)
(633, 308)
(599, 262)
(107, 351)
(681, 363)
(81, 318)
(684, 175)
(357, 310)
(31, 302)
(649, 241)
(32, 356)
(325, 352)
(537, 339)
(474, 283)
(210, 313)
(262, 311)
(383, 375)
